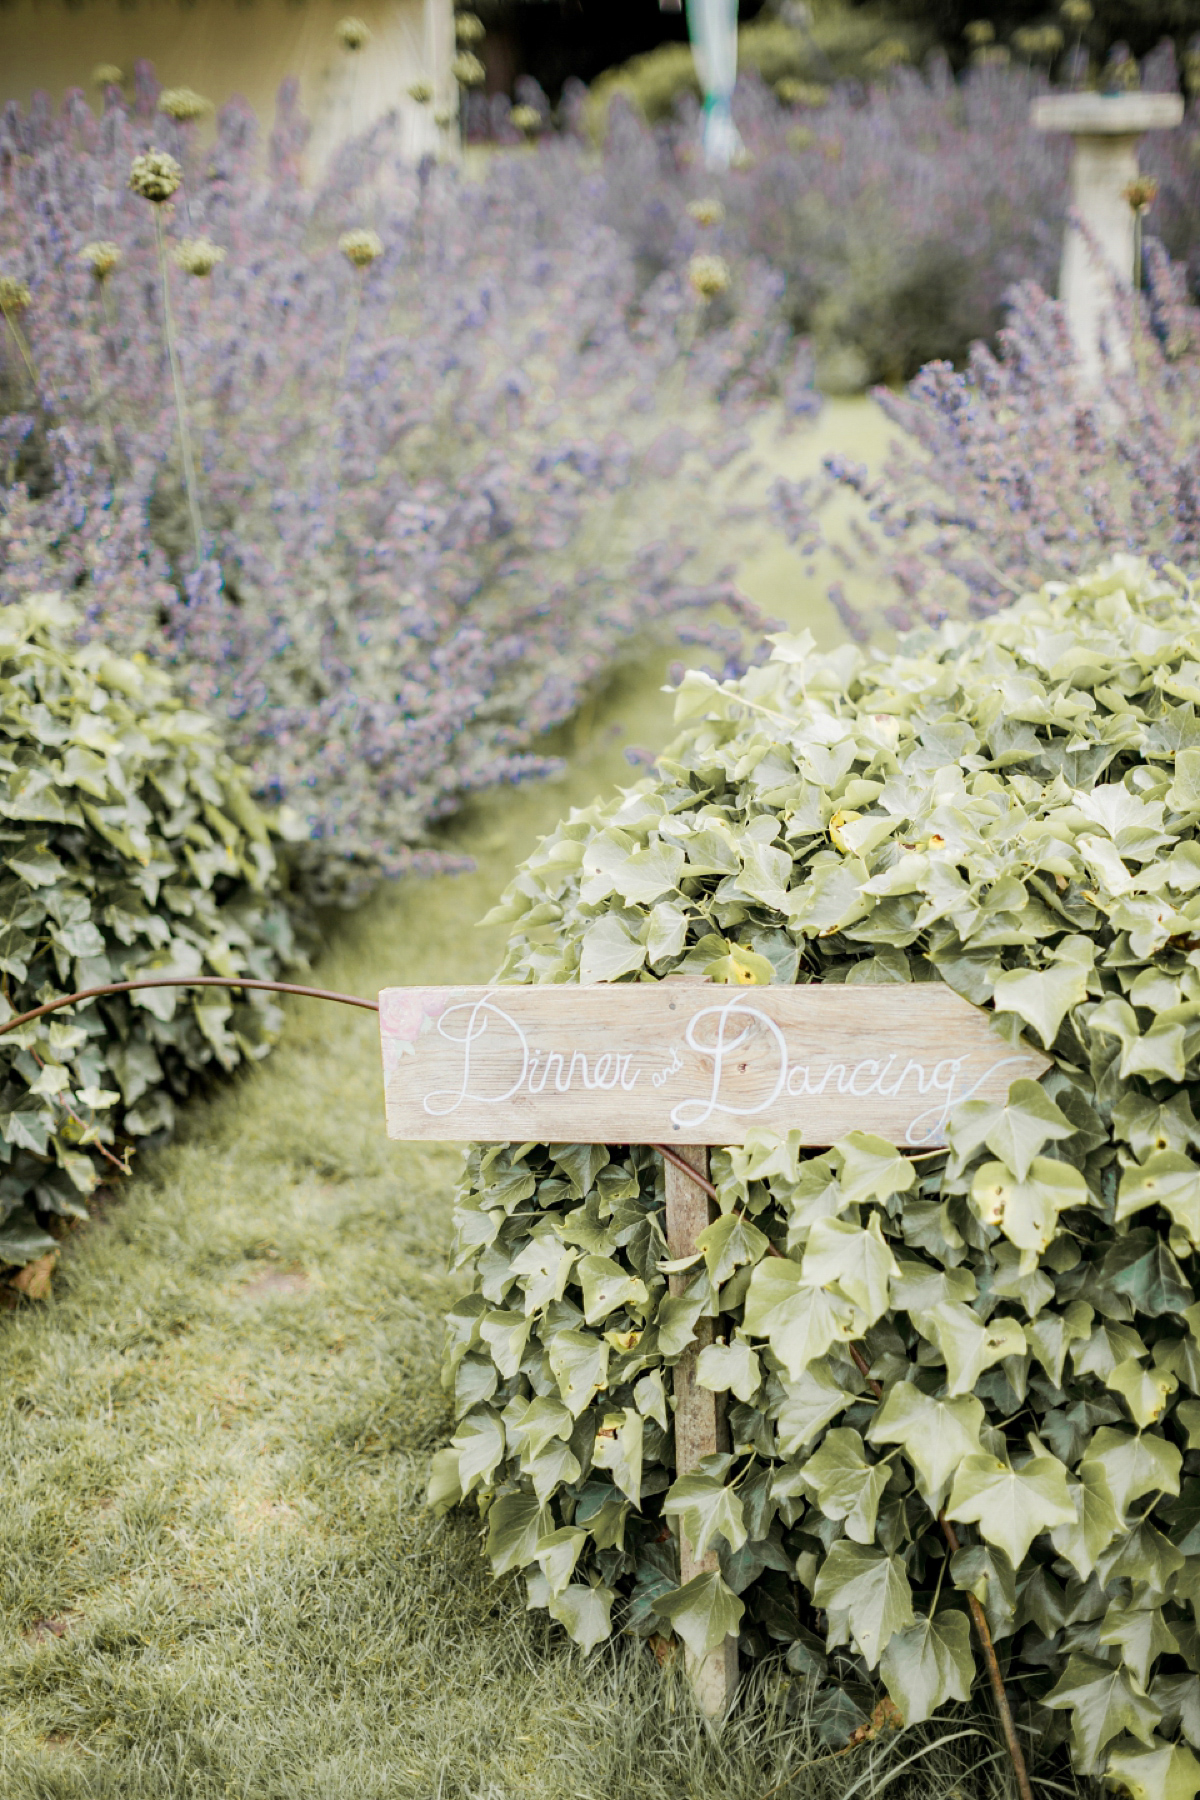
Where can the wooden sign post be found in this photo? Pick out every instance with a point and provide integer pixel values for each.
(682, 1065)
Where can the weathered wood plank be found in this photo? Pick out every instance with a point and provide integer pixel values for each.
(684, 1063)
(700, 1426)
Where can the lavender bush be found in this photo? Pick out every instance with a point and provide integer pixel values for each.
(897, 214)
(420, 458)
(1020, 469)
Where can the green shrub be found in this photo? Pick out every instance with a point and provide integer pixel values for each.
(841, 44)
(1013, 808)
(131, 848)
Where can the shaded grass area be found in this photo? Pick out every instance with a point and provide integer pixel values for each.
(217, 1577)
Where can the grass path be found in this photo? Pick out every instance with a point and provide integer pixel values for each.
(216, 1574)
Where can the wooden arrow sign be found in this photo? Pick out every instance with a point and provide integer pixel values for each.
(688, 1063)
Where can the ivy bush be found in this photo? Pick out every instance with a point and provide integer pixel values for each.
(1006, 1331)
(131, 848)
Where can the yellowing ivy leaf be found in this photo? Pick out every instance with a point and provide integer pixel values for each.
(1144, 1391)
(1027, 1211)
(1157, 1772)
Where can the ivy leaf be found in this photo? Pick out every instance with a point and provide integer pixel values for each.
(607, 1286)
(1011, 1506)
(479, 1441)
(1157, 1052)
(1141, 1266)
(1134, 1466)
(557, 1554)
(729, 1242)
(704, 1612)
(872, 1169)
(1144, 1391)
(798, 1320)
(586, 1612)
(677, 1316)
(1178, 1699)
(516, 1525)
(1050, 1335)
(867, 1596)
(1141, 1634)
(1024, 1125)
(609, 951)
(1042, 997)
(1096, 1523)
(929, 1664)
(1104, 1700)
(732, 1368)
(618, 1448)
(856, 1263)
(706, 1509)
(1158, 1772)
(935, 1434)
(1167, 1178)
(579, 1362)
(1143, 1556)
(1027, 1211)
(544, 1419)
(968, 1346)
(808, 1405)
(846, 1486)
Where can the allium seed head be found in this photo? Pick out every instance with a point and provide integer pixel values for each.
(198, 255)
(469, 28)
(444, 117)
(421, 91)
(467, 70)
(15, 296)
(101, 257)
(709, 276)
(107, 75)
(1140, 193)
(351, 33)
(978, 32)
(361, 248)
(183, 103)
(526, 119)
(155, 176)
(708, 211)
(1077, 13)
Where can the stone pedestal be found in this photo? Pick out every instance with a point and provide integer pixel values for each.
(1107, 129)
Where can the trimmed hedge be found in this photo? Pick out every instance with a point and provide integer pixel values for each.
(131, 848)
(1013, 808)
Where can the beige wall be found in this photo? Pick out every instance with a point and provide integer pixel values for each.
(227, 47)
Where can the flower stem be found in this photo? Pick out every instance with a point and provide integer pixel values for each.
(18, 338)
(185, 438)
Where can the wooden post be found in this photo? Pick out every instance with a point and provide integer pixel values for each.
(699, 1418)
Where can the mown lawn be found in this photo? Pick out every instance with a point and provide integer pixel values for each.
(218, 1577)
